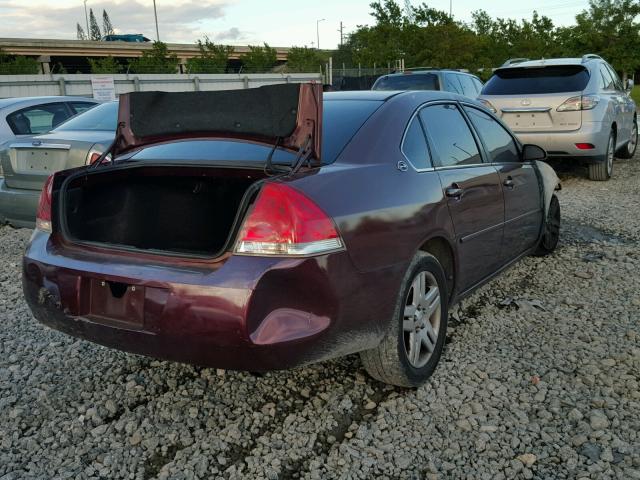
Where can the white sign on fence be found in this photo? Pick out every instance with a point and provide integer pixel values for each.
(104, 90)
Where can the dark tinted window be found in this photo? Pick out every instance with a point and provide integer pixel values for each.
(451, 83)
(552, 79)
(81, 107)
(101, 117)
(499, 143)
(407, 81)
(468, 87)
(341, 120)
(415, 147)
(449, 135)
(38, 119)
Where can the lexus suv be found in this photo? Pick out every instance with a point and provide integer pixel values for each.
(572, 107)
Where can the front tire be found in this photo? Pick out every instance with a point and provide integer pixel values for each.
(629, 150)
(551, 234)
(602, 171)
(411, 349)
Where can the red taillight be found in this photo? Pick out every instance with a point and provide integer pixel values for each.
(585, 146)
(283, 221)
(43, 215)
(93, 158)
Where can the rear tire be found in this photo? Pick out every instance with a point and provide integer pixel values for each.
(629, 150)
(551, 234)
(411, 349)
(602, 171)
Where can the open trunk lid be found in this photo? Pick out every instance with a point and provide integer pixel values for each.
(289, 115)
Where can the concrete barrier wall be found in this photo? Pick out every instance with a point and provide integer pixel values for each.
(80, 84)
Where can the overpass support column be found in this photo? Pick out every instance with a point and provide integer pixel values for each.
(45, 63)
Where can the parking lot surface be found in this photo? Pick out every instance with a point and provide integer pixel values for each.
(540, 379)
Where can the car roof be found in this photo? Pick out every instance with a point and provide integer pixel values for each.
(418, 96)
(418, 71)
(379, 95)
(28, 101)
(549, 62)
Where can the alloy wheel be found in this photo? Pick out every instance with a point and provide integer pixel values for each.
(631, 146)
(421, 320)
(610, 155)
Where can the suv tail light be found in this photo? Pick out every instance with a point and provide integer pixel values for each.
(488, 104)
(43, 215)
(582, 102)
(285, 222)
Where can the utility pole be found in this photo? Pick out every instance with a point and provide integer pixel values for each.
(450, 8)
(155, 14)
(317, 31)
(86, 17)
(341, 33)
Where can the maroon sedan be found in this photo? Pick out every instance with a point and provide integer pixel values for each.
(269, 228)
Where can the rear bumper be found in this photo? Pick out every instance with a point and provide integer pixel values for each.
(17, 206)
(249, 313)
(563, 144)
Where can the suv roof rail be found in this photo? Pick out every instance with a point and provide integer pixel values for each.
(419, 69)
(590, 56)
(513, 61)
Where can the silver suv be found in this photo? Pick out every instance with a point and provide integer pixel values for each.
(573, 107)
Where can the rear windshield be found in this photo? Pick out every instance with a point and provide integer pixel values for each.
(408, 81)
(101, 117)
(552, 79)
(340, 121)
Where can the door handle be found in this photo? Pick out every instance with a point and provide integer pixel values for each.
(454, 191)
(509, 183)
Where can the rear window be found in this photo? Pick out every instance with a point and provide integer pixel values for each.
(526, 81)
(101, 117)
(410, 81)
(341, 120)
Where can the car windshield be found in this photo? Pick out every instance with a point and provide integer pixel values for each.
(100, 117)
(341, 119)
(407, 81)
(527, 81)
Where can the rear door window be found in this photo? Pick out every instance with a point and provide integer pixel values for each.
(450, 136)
(38, 119)
(468, 88)
(451, 83)
(537, 80)
(617, 83)
(408, 81)
(500, 145)
(414, 146)
(607, 79)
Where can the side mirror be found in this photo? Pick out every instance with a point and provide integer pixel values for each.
(533, 152)
(629, 86)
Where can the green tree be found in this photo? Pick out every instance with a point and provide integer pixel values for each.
(212, 59)
(609, 28)
(156, 60)
(80, 32)
(303, 59)
(259, 59)
(94, 29)
(105, 65)
(17, 65)
(107, 28)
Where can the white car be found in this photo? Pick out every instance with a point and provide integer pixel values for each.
(35, 115)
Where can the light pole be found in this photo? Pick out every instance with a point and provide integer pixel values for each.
(318, 31)
(86, 17)
(155, 14)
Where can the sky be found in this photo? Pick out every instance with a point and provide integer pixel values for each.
(280, 23)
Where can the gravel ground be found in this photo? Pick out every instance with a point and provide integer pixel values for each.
(539, 380)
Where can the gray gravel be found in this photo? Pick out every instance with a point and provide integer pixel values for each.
(539, 380)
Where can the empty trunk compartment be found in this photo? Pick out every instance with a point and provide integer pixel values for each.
(182, 210)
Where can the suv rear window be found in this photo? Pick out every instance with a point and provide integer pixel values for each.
(407, 81)
(552, 79)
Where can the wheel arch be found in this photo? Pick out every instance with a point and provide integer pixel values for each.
(441, 248)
